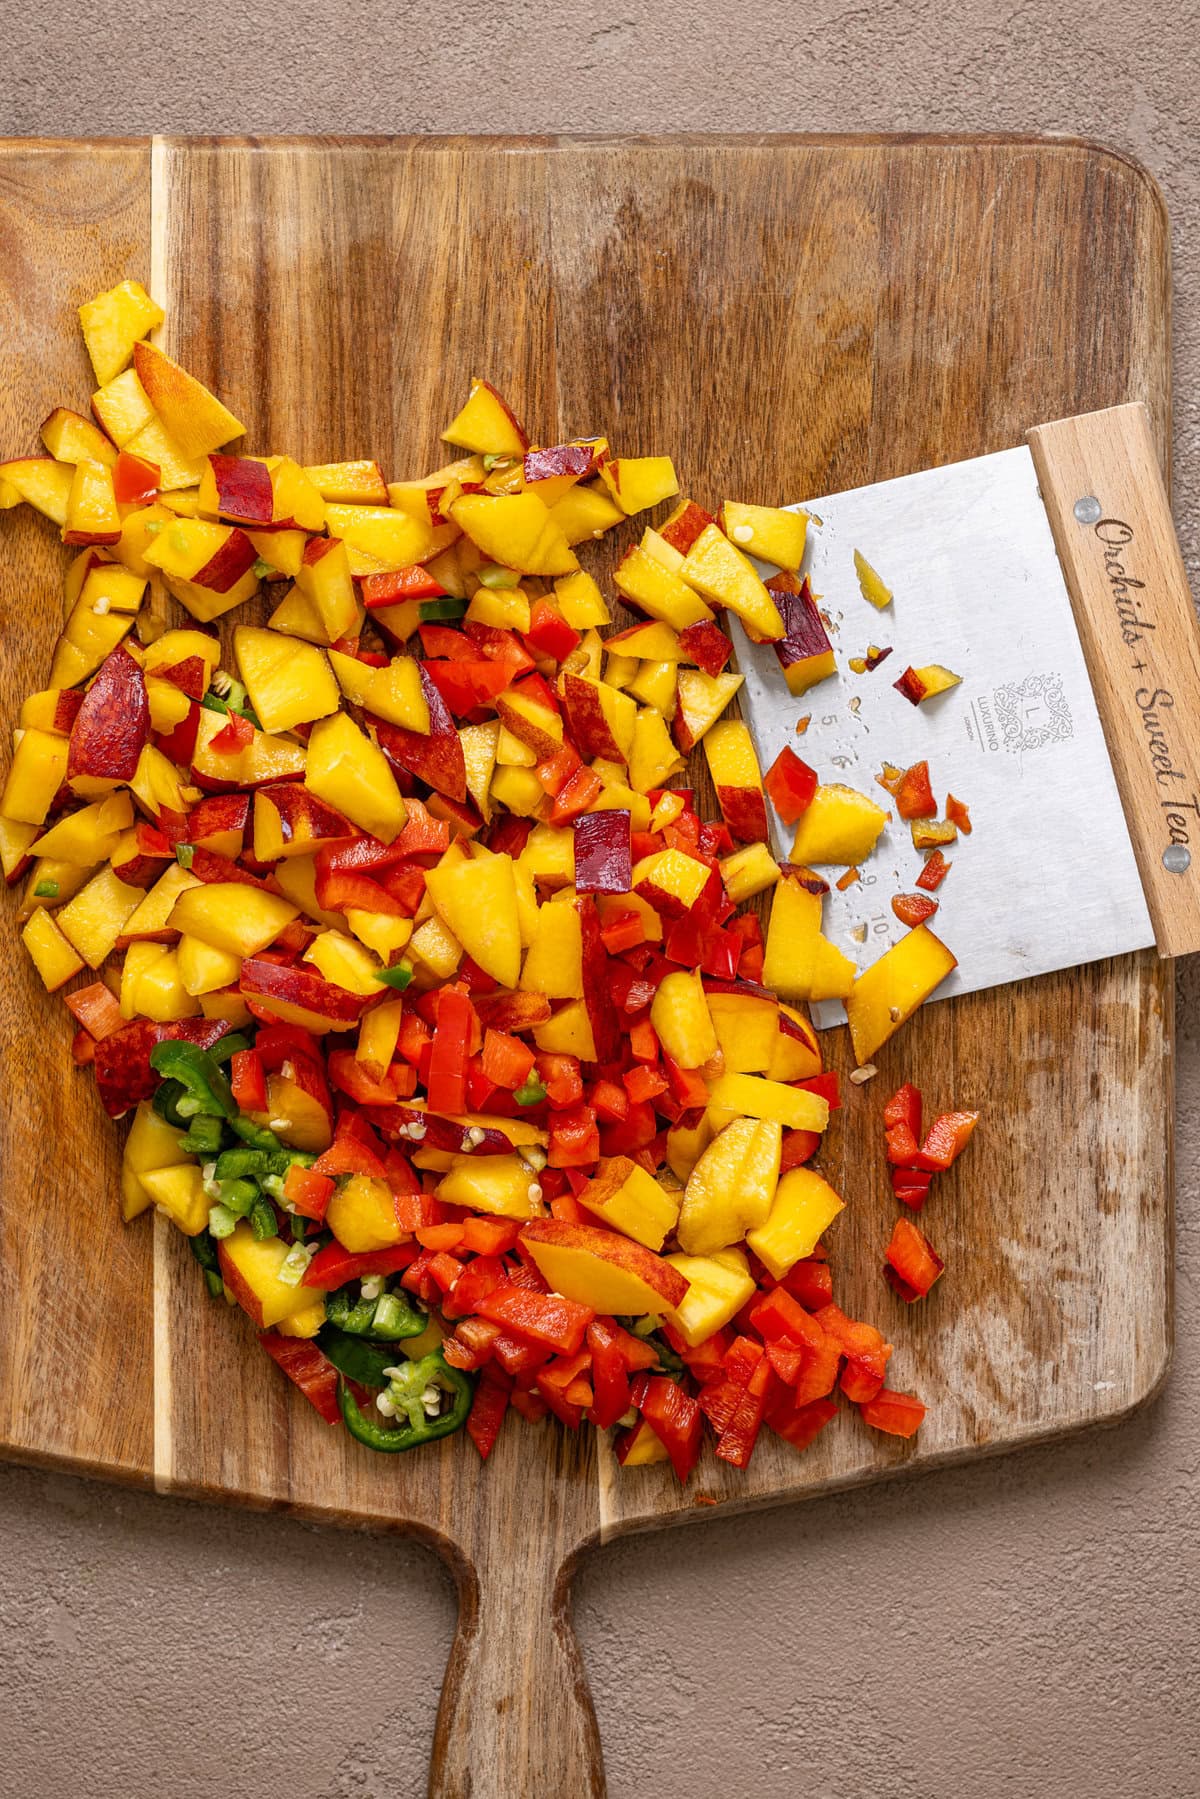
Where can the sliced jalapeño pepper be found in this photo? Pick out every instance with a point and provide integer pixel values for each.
(405, 1390)
(206, 1091)
(354, 1357)
(388, 1318)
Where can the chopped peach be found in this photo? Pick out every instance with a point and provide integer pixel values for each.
(70, 437)
(702, 699)
(715, 568)
(231, 916)
(840, 826)
(871, 585)
(112, 324)
(804, 1207)
(768, 532)
(892, 988)
(349, 771)
(719, 1285)
(637, 482)
(53, 955)
(194, 417)
(486, 424)
(679, 1013)
(631, 1200)
(602, 1269)
(731, 1187)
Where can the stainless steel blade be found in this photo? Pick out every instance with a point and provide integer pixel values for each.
(1047, 879)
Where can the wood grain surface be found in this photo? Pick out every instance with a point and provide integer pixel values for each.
(785, 317)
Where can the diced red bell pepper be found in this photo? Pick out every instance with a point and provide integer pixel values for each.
(902, 1146)
(899, 1414)
(507, 1062)
(719, 1396)
(798, 1147)
(348, 1154)
(412, 583)
(622, 931)
(790, 785)
(800, 1424)
(574, 1138)
(826, 1086)
(440, 1236)
(488, 1408)
(489, 1236)
(83, 1048)
(467, 685)
(676, 1420)
(307, 1192)
(248, 1080)
(610, 1374)
(545, 1318)
(333, 1266)
(560, 1076)
(631, 1134)
(811, 1282)
(643, 1082)
(819, 1376)
(560, 1373)
(444, 1269)
(457, 1022)
(912, 1264)
(575, 796)
(549, 634)
(519, 1356)
(687, 1085)
(911, 1186)
(481, 1276)
(778, 1317)
(350, 1076)
(531, 1406)
(309, 1368)
(423, 835)
(934, 872)
(947, 1137)
(609, 1101)
(904, 1107)
(342, 892)
(736, 1442)
(234, 735)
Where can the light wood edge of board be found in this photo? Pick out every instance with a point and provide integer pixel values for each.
(1107, 503)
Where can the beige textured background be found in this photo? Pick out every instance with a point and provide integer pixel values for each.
(1030, 1626)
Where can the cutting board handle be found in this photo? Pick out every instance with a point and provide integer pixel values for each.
(516, 1718)
(1107, 504)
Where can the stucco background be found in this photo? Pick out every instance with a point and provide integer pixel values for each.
(1026, 1626)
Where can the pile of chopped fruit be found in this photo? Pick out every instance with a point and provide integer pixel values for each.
(447, 1042)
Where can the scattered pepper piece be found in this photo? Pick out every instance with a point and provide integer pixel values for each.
(913, 793)
(913, 908)
(934, 872)
(790, 785)
(848, 879)
(911, 1263)
(958, 812)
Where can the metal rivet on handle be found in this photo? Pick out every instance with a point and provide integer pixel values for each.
(1176, 859)
(1087, 510)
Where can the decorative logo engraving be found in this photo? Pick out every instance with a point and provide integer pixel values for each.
(1032, 713)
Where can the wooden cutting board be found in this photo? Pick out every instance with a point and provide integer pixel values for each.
(786, 317)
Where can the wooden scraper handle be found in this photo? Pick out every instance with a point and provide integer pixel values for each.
(1107, 504)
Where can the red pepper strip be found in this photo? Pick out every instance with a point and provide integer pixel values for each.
(611, 1391)
(487, 1409)
(811, 1282)
(519, 1358)
(860, 1380)
(902, 1147)
(309, 1368)
(560, 1076)
(790, 785)
(737, 1440)
(934, 872)
(565, 1410)
(333, 1266)
(643, 1082)
(307, 1192)
(820, 1376)
(507, 1062)
(609, 1101)
(248, 1081)
(675, 1419)
(472, 1343)
(444, 1269)
(913, 1259)
(456, 1021)
(904, 1107)
(412, 583)
(350, 1076)
(623, 930)
(83, 1048)
(948, 1136)
(899, 1414)
(440, 1236)
(545, 1317)
(531, 1406)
